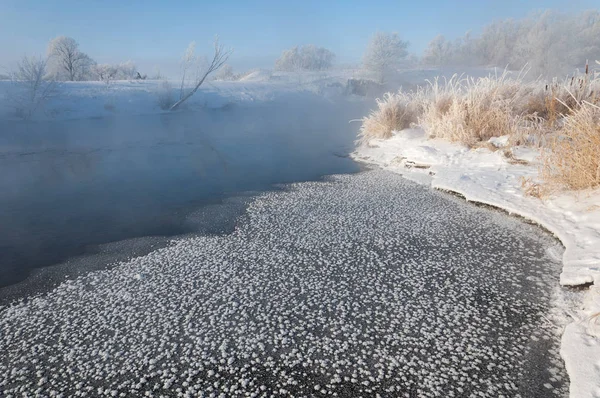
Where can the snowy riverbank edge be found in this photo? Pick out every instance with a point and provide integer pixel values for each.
(490, 178)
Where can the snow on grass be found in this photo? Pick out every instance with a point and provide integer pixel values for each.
(573, 160)
(471, 110)
(492, 178)
(396, 111)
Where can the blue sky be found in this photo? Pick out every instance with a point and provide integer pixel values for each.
(155, 32)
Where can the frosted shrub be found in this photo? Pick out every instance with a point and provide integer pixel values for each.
(550, 104)
(108, 72)
(573, 158)
(31, 88)
(384, 54)
(472, 110)
(127, 71)
(308, 57)
(104, 72)
(394, 112)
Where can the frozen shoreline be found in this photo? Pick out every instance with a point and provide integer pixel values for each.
(490, 178)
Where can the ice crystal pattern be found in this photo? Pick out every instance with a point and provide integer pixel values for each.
(359, 286)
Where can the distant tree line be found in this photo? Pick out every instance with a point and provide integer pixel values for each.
(66, 62)
(549, 43)
(308, 58)
(384, 54)
(35, 77)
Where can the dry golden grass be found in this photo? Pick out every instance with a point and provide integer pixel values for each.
(531, 188)
(487, 145)
(533, 131)
(536, 104)
(555, 100)
(394, 112)
(562, 119)
(471, 110)
(572, 159)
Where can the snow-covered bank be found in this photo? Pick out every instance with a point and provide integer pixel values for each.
(94, 99)
(80, 100)
(491, 178)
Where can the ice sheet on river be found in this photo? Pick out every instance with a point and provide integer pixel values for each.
(362, 285)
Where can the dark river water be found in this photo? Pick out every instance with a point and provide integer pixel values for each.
(69, 187)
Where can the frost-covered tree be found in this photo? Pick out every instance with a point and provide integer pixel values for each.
(290, 60)
(384, 53)
(496, 43)
(463, 50)
(127, 70)
(105, 72)
(547, 43)
(32, 87)
(542, 44)
(438, 52)
(66, 61)
(307, 57)
(109, 72)
(588, 36)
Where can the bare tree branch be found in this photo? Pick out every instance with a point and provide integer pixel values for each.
(220, 56)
